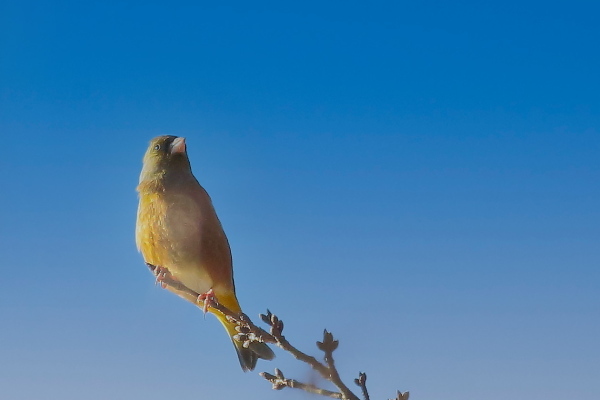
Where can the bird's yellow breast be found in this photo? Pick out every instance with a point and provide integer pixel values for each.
(150, 228)
(169, 235)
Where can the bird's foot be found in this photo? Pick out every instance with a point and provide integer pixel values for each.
(165, 279)
(163, 276)
(206, 299)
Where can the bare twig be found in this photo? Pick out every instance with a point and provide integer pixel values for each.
(328, 346)
(362, 382)
(401, 396)
(279, 382)
(276, 331)
(249, 332)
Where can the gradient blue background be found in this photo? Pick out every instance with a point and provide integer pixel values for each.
(420, 178)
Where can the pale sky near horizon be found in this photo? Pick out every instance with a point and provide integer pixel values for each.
(420, 178)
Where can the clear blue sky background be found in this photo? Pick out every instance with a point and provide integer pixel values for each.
(420, 178)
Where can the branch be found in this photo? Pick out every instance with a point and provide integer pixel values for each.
(279, 382)
(249, 332)
(362, 382)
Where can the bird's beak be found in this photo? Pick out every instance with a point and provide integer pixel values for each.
(178, 145)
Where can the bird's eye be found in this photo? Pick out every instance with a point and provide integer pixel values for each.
(157, 147)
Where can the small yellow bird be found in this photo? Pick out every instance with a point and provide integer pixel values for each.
(178, 231)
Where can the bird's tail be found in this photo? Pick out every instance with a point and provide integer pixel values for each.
(247, 356)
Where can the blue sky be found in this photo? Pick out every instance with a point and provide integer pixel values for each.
(420, 178)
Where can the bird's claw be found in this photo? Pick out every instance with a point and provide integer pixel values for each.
(206, 299)
(162, 275)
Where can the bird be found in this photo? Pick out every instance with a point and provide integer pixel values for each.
(180, 235)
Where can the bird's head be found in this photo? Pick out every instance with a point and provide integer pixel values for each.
(165, 155)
